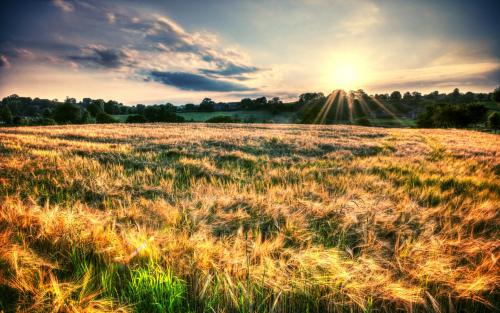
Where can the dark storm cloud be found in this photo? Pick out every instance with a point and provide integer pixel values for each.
(189, 81)
(101, 57)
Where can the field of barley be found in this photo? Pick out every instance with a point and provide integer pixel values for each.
(248, 218)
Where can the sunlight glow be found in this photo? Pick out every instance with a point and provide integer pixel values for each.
(345, 71)
(345, 76)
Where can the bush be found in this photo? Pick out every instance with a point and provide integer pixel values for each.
(104, 118)
(363, 122)
(47, 121)
(223, 119)
(18, 120)
(137, 118)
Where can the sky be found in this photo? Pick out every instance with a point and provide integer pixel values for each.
(183, 51)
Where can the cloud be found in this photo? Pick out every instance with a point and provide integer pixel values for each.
(63, 5)
(134, 44)
(101, 57)
(4, 62)
(195, 82)
(453, 75)
(231, 69)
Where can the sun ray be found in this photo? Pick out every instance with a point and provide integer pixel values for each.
(321, 117)
(388, 111)
(340, 105)
(349, 104)
(364, 106)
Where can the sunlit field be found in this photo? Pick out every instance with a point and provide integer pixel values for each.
(248, 218)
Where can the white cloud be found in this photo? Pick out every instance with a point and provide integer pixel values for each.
(63, 5)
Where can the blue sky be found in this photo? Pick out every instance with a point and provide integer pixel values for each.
(183, 51)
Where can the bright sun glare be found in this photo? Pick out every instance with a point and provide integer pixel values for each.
(346, 71)
(345, 76)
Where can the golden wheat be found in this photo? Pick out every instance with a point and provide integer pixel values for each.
(249, 218)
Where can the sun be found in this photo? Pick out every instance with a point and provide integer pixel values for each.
(345, 76)
(346, 71)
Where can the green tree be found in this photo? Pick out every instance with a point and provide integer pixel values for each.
(86, 118)
(104, 118)
(275, 105)
(494, 121)
(207, 105)
(396, 96)
(67, 113)
(246, 103)
(495, 96)
(6, 114)
(95, 107)
(476, 113)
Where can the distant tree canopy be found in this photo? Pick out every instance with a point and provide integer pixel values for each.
(162, 113)
(455, 109)
(95, 107)
(451, 115)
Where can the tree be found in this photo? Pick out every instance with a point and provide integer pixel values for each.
(207, 105)
(246, 103)
(161, 113)
(86, 118)
(95, 107)
(111, 107)
(455, 95)
(494, 121)
(425, 118)
(276, 105)
(306, 97)
(6, 114)
(495, 96)
(189, 107)
(67, 113)
(260, 102)
(396, 96)
(451, 115)
(476, 113)
(104, 118)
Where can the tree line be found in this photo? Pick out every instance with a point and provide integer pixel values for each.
(432, 110)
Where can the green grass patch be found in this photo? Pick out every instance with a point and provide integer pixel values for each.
(154, 289)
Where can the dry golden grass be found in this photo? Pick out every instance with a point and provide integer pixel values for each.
(248, 218)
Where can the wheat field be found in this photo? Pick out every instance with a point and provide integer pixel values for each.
(248, 218)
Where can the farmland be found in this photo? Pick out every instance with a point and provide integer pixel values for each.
(248, 218)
